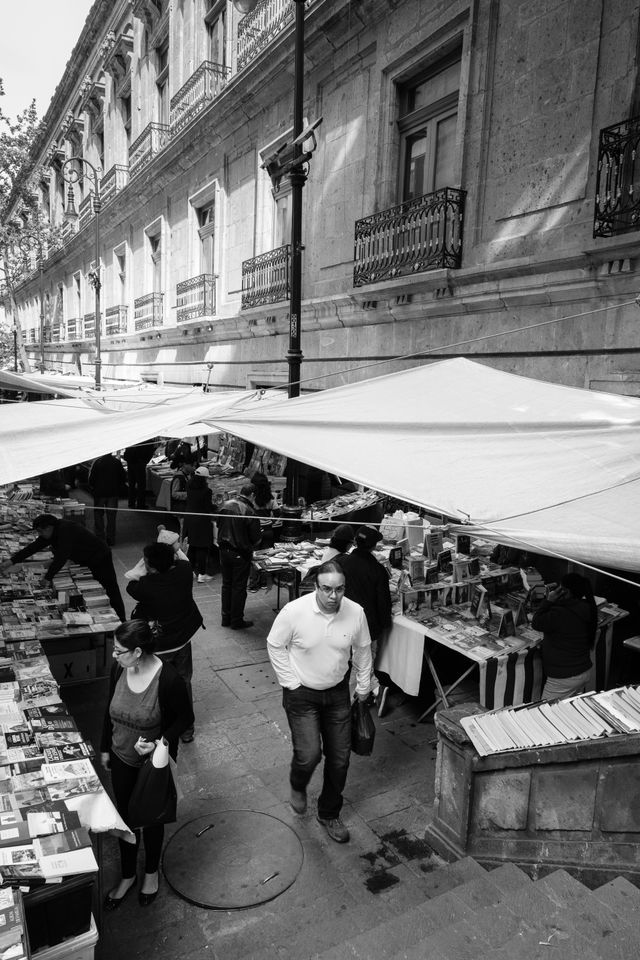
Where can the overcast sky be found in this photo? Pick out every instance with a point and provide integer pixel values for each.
(36, 40)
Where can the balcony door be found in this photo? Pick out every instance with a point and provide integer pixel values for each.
(428, 121)
(216, 23)
(206, 235)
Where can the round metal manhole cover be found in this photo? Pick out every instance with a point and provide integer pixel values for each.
(232, 859)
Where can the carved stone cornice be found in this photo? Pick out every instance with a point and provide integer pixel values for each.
(92, 97)
(117, 53)
(55, 155)
(149, 11)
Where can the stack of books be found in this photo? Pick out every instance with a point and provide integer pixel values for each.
(588, 716)
(13, 941)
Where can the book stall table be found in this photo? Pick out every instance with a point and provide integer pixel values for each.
(53, 807)
(509, 667)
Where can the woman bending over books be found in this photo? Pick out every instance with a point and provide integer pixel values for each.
(147, 700)
(568, 620)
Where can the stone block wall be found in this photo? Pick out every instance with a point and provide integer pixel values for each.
(575, 805)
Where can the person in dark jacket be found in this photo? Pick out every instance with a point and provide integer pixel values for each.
(367, 583)
(137, 457)
(71, 541)
(147, 701)
(238, 536)
(179, 482)
(197, 524)
(568, 620)
(165, 595)
(107, 478)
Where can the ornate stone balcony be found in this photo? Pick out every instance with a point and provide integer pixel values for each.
(116, 320)
(196, 297)
(57, 331)
(617, 206)
(258, 29)
(85, 211)
(73, 327)
(266, 279)
(69, 229)
(200, 89)
(152, 140)
(89, 326)
(416, 236)
(114, 181)
(148, 311)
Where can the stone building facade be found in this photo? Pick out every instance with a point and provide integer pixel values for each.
(472, 191)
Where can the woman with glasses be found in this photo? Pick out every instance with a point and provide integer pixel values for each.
(148, 700)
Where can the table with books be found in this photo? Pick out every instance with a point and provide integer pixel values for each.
(496, 639)
(50, 794)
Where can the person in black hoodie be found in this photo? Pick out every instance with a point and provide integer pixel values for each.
(107, 479)
(367, 583)
(197, 525)
(165, 596)
(568, 620)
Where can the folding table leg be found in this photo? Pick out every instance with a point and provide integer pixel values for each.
(442, 698)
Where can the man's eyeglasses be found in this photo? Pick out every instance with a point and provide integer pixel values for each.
(329, 590)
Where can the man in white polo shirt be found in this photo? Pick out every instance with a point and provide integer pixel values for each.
(310, 645)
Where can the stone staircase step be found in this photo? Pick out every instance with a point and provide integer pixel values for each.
(621, 895)
(509, 877)
(452, 875)
(532, 946)
(500, 914)
(609, 935)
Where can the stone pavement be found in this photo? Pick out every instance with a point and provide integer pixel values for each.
(239, 761)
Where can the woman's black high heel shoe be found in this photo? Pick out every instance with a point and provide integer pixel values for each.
(112, 903)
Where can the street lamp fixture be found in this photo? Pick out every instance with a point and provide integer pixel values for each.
(72, 170)
(30, 243)
(295, 167)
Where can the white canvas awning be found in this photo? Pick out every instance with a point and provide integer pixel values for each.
(36, 438)
(553, 467)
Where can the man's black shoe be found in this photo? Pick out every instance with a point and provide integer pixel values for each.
(225, 623)
(243, 625)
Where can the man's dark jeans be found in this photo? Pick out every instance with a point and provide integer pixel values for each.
(137, 483)
(320, 721)
(235, 571)
(110, 506)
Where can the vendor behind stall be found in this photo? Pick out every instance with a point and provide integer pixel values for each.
(70, 541)
(568, 620)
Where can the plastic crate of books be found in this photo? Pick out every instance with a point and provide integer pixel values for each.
(81, 947)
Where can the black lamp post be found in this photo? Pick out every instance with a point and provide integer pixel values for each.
(71, 175)
(28, 243)
(296, 171)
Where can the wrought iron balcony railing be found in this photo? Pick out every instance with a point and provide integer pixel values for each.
(617, 207)
(416, 236)
(257, 29)
(266, 279)
(148, 311)
(200, 89)
(85, 211)
(114, 181)
(196, 297)
(115, 319)
(152, 140)
(73, 326)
